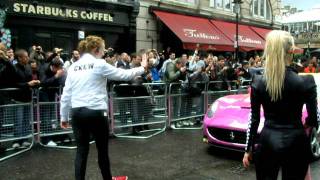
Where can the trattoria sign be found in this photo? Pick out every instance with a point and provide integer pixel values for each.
(59, 12)
(192, 33)
(249, 40)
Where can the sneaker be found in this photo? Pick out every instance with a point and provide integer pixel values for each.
(179, 124)
(15, 145)
(120, 178)
(26, 144)
(67, 140)
(51, 143)
(190, 123)
(185, 123)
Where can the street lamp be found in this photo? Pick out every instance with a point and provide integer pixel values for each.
(236, 43)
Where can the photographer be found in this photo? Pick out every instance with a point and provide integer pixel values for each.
(221, 72)
(38, 55)
(10, 55)
(153, 61)
(193, 87)
(25, 84)
(7, 80)
(175, 72)
(109, 56)
(75, 57)
(51, 81)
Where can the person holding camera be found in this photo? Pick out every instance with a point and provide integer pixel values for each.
(37, 54)
(8, 79)
(25, 83)
(175, 72)
(75, 57)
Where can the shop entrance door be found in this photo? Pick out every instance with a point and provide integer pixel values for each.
(63, 40)
(50, 40)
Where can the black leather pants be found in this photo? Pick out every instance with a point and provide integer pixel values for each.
(283, 148)
(86, 122)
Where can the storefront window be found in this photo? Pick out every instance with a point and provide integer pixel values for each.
(256, 7)
(222, 4)
(261, 8)
(184, 1)
(189, 1)
(107, 0)
(268, 13)
(219, 3)
(227, 4)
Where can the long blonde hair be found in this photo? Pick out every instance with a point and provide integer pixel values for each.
(277, 55)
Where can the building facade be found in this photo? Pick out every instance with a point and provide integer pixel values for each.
(305, 27)
(60, 23)
(153, 33)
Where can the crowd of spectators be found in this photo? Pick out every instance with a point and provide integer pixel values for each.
(35, 68)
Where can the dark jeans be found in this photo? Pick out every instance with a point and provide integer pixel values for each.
(22, 126)
(86, 122)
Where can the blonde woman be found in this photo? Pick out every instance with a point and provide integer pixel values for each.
(86, 94)
(282, 93)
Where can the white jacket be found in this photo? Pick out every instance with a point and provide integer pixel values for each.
(86, 84)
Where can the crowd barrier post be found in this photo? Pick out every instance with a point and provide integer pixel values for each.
(187, 105)
(16, 124)
(136, 112)
(48, 120)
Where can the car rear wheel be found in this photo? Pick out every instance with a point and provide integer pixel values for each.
(315, 142)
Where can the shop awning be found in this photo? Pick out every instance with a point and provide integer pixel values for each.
(195, 30)
(261, 31)
(248, 39)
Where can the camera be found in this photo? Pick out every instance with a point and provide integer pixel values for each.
(109, 52)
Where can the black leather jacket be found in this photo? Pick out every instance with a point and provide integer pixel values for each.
(287, 112)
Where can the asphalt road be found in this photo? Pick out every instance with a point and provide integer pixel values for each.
(172, 155)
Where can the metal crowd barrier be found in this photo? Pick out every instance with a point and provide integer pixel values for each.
(16, 127)
(186, 109)
(50, 134)
(145, 111)
(138, 111)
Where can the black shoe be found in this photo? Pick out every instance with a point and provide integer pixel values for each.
(2, 150)
(135, 131)
(198, 122)
(145, 127)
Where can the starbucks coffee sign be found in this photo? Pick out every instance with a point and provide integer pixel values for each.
(71, 13)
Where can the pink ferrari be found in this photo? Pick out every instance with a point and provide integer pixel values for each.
(225, 123)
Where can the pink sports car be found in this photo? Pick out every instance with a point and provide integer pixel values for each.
(225, 123)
